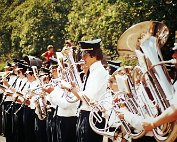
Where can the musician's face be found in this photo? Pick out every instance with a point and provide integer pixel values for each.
(88, 59)
(30, 77)
(51, 50)
(54, 72)
(45, 79)
(113, 85)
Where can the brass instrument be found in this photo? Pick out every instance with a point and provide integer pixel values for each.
(6, 76)
(147, 89)
(151, 81)
(40, 105)
(69, 72)
(102, 113)
(40, 102)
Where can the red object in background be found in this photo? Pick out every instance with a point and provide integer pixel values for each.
(48, 55)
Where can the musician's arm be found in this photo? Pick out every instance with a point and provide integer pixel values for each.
(70, 88)
(169, 115)
(75, 92)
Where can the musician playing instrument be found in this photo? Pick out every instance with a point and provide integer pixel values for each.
(51, 114)
(29, 110)
(11, 82)
(94, 88)
(65, 112)
(19, 88)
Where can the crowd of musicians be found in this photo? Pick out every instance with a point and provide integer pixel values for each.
(35, 108)
(47, 104)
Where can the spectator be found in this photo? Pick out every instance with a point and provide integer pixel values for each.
(48, 55)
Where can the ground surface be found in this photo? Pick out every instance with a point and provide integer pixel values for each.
(2, 139)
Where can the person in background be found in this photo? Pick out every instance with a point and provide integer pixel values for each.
(48, 55)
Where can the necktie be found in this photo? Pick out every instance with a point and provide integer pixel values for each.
(80, 103)
(86, 79)
(20, 83)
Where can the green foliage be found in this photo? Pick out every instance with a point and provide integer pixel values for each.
(28, 26)
(34, 24)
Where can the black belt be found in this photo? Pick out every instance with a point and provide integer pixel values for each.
(84, 113)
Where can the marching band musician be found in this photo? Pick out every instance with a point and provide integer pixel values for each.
(18, 119)
(52, 108)
(29, 107)
(40, 107)
(65, 112)
(8, 101)
(94, 87)
(133, 119)
(47, 129)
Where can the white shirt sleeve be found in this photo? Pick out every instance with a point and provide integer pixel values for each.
(56, 97)
(133, 119)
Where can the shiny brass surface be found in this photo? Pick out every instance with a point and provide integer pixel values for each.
(129, 40)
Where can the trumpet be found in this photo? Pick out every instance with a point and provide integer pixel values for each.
(6, 76)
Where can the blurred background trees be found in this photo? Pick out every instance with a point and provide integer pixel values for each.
(28, 26)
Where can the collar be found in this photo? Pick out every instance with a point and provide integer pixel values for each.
(95, 65)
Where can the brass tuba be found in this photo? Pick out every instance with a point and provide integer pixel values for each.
(151, 81)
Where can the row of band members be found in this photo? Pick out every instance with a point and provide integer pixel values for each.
(62, 123)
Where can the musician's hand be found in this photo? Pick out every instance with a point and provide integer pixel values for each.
(20, 100)
(5, 82)
(120, 114)
(65, 85)
(148, 124)
(48, 89)
(13, 89)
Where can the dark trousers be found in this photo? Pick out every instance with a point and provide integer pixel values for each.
(41, 134)
(66, 128)
(8, 122)
(84, 131)
(18, 124)
(1, 116)
(145, 139)
(51, 126)
(29, 124)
